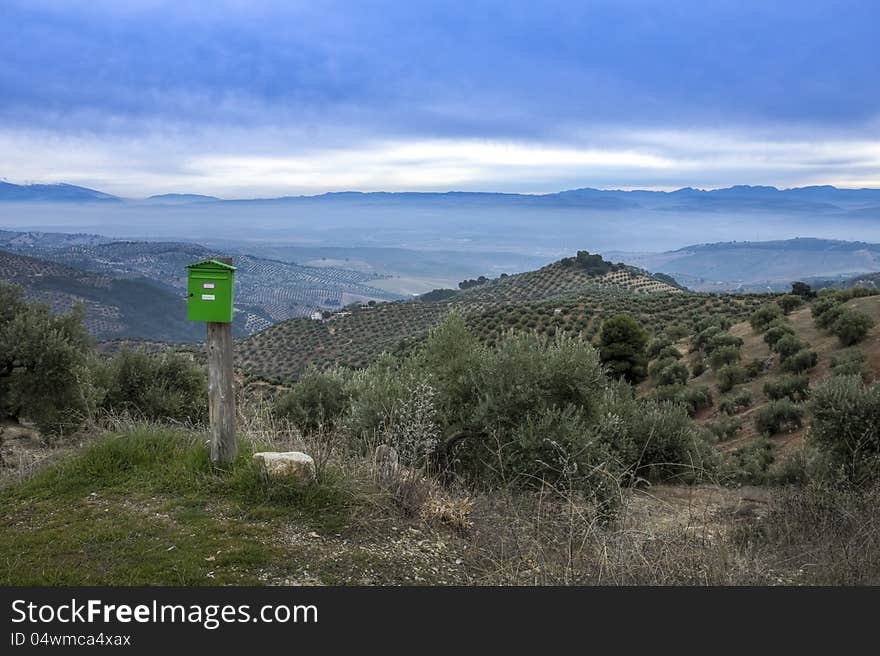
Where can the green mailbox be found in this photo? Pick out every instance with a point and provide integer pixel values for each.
(209, 286)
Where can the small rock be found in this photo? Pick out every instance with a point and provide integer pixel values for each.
(293, 464)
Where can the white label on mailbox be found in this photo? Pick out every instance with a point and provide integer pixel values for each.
(207, 285)
(207, 297)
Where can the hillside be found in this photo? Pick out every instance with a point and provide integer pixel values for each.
(828, 348)
(266, 290)
(115, 307)
(555, 297)
(757, 266)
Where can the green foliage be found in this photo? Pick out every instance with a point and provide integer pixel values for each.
(44, 364)
(731, 375)
(788, 345)
(749, 465)
(776, 331)
(851, 326)
(725, 428)
(159, 387)
(803, 360)
(592, 264)
(722, 340)
(763, 316)
(803, 290)
(796, 388)
(724, 356)
(851, 363)
(826, 310)
(316, 402)
(845, 429)
(778, 416)
(735, 401)
(622, 345)
(669, 371)
(693, 399)
(790, 302)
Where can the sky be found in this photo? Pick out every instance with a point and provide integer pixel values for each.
(265, 98)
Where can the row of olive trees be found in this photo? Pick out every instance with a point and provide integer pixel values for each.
(50, 374)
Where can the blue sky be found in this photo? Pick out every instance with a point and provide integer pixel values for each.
(253, 98)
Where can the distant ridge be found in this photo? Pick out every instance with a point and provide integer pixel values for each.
(52, 193)
(816, 196)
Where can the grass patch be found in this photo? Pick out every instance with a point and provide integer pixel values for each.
(146, 506)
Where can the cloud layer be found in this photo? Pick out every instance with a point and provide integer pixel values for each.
(256, 98)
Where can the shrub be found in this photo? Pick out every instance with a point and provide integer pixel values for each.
(698, 368)
(622, 345)
(734, 402)
(724, 356)
(776, 332)
(669, 372)
(45, 372)
(826, 312)
(156, 386)
(723, 340)
(796, 388)
(750, 464)
(763, 316)
(693, 399)
(731, 375)
(851, 326)
(788, 345)
(656, 345)
(845, 428)
(851, 363)
(803, 360)
(725, 428)
(790, 302)
(778, 416)
(317, 401)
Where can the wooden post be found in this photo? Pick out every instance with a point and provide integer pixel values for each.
(221, 394)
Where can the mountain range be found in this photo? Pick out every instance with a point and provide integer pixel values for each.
(818, 197)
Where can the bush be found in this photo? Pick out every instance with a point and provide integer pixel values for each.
(750, 464)
(156, 387)
(736, 401)
(788, 345)
(725, 428)
(654, 439)
(826, 311)
(790, 302)
(669, 372)
(316, 402)
(803, 360)
(731, 375)
(845, 429)
(763, 316)
(724, 356)
(851, 363)
(851, 326)
(778, 416)
(693, 399)
(776, 332)
(699, 367)
(723, 340)
(796, 388)
(45, 371)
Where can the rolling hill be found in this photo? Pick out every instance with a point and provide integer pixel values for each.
(115, 307)
(267, 290)
(555, 297)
